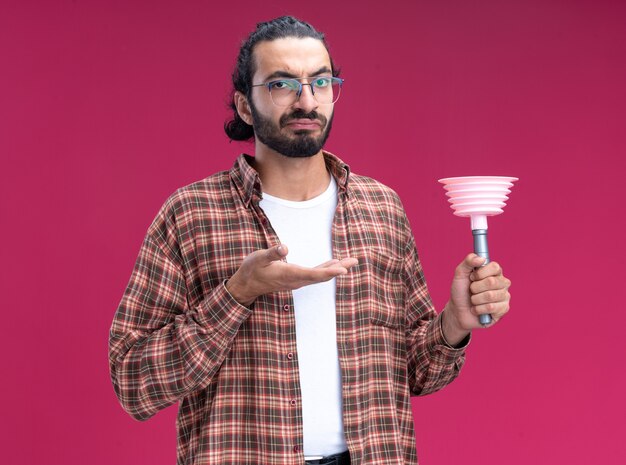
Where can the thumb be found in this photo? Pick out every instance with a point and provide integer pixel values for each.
(466, 267)
(278, 252)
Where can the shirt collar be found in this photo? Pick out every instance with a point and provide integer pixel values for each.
(248, 183)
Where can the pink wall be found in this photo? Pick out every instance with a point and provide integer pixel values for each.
(107, 107)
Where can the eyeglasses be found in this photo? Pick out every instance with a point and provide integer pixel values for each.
(286, 92)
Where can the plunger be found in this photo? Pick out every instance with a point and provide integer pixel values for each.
(478, 197)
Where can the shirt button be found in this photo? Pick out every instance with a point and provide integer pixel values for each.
(290, 355)
(286, 307)
(293, 402)
(296, 449)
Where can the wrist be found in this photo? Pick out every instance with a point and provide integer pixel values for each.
(237, 292)
(453, 333)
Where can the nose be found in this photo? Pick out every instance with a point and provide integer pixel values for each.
(306, 102)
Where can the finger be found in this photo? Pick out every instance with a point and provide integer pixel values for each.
(501, 295)
(490, 283)
(344, 262)
(278, 252)
(490, 269)
(348, 262)
(496, 309)
(466, 267)
(298, 276)
(332, 262)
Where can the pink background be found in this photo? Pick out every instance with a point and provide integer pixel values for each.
(108, 107)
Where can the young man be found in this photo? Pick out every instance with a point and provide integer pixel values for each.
(282, 303)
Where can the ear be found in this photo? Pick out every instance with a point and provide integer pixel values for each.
(243, 107)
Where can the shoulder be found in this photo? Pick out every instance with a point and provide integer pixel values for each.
(373, 193)
(205, 194)
(377, 218)
(212, 189)
(380, 211)
(201, 198)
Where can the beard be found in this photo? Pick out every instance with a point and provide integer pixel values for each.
(302, 144)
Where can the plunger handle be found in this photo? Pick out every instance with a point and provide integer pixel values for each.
(482, 249)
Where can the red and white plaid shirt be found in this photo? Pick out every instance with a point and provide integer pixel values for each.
(179, 336)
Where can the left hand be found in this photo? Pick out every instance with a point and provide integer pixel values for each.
(476, 290)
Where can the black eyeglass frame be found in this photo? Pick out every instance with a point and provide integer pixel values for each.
(333, 79)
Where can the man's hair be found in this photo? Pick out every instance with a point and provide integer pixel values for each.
(279, 28)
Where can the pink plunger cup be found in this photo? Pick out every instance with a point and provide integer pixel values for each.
(478, 197)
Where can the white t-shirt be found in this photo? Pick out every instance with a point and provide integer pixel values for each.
(305, 227)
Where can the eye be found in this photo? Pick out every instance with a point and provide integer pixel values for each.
(284, 84)
(322, 82)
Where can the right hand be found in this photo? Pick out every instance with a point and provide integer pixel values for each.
(264, 271)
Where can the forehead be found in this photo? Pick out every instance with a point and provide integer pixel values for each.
(298, 57)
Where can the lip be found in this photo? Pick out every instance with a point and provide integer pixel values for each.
(304, 124)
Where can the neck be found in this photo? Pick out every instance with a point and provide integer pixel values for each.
(295, 179)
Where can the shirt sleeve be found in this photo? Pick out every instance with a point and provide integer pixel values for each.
(432, 362)
(160, 349)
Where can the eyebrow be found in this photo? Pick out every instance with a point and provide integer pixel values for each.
(285, 74)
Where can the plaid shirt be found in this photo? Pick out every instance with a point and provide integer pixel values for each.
(179, 336)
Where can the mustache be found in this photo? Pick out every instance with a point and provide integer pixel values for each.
(299, 114)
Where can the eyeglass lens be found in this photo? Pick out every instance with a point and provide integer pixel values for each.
(285, 92)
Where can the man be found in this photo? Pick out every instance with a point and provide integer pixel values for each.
(282, 303)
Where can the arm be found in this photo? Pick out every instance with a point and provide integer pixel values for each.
(437, 342)
(432, 363)
(159, 349)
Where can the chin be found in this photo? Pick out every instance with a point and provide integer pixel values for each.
(305, 132)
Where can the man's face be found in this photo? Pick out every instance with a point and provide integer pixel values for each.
(299, 130)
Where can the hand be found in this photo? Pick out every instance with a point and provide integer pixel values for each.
(264, 271)
(476, 290)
